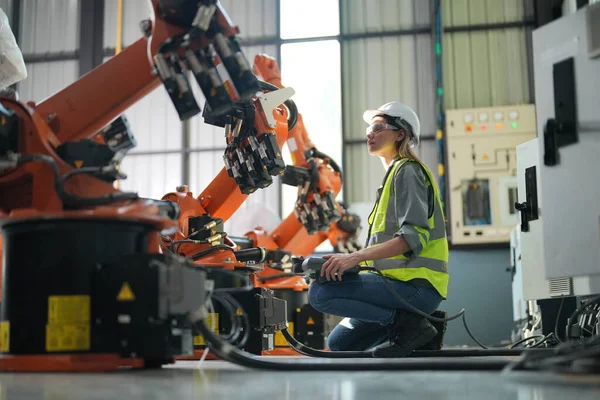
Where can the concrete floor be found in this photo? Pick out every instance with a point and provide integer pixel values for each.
(221, 380)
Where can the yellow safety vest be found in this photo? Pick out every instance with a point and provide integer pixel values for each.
(431, 263)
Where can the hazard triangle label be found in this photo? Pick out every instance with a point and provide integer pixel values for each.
(125, 294)
(310, 321)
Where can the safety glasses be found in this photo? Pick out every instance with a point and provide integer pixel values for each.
(380, 126)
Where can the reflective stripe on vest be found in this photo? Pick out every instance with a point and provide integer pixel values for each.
(431, 263)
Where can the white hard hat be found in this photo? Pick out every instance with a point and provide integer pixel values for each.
(404, 116)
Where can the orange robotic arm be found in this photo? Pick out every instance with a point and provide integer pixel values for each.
(176, 40)
(254, 130)
(49, 162)
(317, 217)
(69, 235)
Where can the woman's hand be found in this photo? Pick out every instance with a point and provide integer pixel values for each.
(338, 263)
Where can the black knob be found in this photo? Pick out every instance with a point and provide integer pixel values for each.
(522, 206)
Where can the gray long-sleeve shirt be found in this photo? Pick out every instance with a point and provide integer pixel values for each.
(414, 206)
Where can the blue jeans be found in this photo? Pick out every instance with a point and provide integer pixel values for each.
(369, 307)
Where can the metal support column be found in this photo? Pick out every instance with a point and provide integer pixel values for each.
(438, 32)
(91, 35)
(529, 50)
(343, 110)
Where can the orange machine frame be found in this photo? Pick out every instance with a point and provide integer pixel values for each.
(80, 111)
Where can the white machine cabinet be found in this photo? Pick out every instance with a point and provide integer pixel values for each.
(560, 193)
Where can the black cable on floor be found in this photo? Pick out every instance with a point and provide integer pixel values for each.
(229, 353)
(311, 352)
(527, 339)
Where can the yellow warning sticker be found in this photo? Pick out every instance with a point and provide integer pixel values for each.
(79, 163)
(310, 321)
(68, 309)
(125, 294)
(280, 340)
(199, 339)
(238, 312)
(5, 336)
(68, 337)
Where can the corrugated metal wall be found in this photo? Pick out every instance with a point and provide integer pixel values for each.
(380, 70)
(484, 68)
(133, 13)
(46, 78)
(154, 167)
(255, 18)
(360, 16)
(6, 6)
(481, 68)
(48, 26)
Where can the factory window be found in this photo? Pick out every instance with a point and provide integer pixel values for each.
(313, 70)
(309, 18)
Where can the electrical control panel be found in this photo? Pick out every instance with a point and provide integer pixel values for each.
(481, 161)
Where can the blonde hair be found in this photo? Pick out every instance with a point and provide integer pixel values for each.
(404, 149)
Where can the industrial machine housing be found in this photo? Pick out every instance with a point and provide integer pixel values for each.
(559, 227)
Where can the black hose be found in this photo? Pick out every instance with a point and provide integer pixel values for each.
(276, 276)
(289, 103)
(230, 304)
(69, 199)
(293, 117)
(514, 345)
(256, 254)
(234, 331)
(407, 304)
(245, 319)
(229, 353)
(235, 305)
(311, 352)
(544, 340)
(556, 362)
(330, 161)
(210, 250)
(82, 170)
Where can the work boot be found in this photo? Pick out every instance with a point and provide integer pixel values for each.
(438, 341)
(408, 332)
